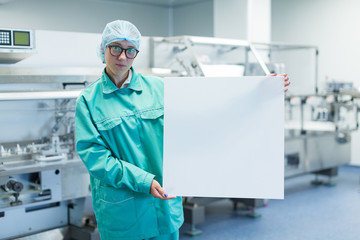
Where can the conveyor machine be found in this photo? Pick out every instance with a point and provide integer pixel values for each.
(318, 122)
(43, 183)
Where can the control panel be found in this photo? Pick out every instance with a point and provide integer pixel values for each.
(10, 38)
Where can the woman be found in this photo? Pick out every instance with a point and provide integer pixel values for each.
(119, 137)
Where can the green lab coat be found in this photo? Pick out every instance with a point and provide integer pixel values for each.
(119, 137)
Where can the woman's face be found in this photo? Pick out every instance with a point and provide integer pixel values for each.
(118, 67)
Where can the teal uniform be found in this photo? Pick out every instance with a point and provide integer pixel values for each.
(119, 137)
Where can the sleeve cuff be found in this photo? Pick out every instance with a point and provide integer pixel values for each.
(146, 184)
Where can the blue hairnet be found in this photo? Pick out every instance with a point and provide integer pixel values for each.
(117, 31)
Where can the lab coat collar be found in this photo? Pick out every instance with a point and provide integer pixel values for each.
(109, 86)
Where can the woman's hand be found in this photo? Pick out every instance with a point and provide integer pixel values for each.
(158, 192)
(286, 79)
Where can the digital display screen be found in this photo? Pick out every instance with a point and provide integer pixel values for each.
(21, 38)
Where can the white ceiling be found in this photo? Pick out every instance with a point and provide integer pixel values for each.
(4, 1)
(163, 3)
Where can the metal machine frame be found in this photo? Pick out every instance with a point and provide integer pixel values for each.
(34, 189)
(308, 148)
(43, 183)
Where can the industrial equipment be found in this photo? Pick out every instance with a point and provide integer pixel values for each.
(317, 123)
(43, 183)
(16, 45)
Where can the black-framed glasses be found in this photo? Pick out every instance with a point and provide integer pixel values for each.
(116, 51)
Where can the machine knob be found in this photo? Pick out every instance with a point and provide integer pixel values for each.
(14, 185)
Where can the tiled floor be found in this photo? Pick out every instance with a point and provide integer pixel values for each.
(308, 212)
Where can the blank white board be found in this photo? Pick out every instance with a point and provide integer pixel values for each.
(224, 137)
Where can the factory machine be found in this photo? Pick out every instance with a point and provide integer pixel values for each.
(318, 123)
(43, 183)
